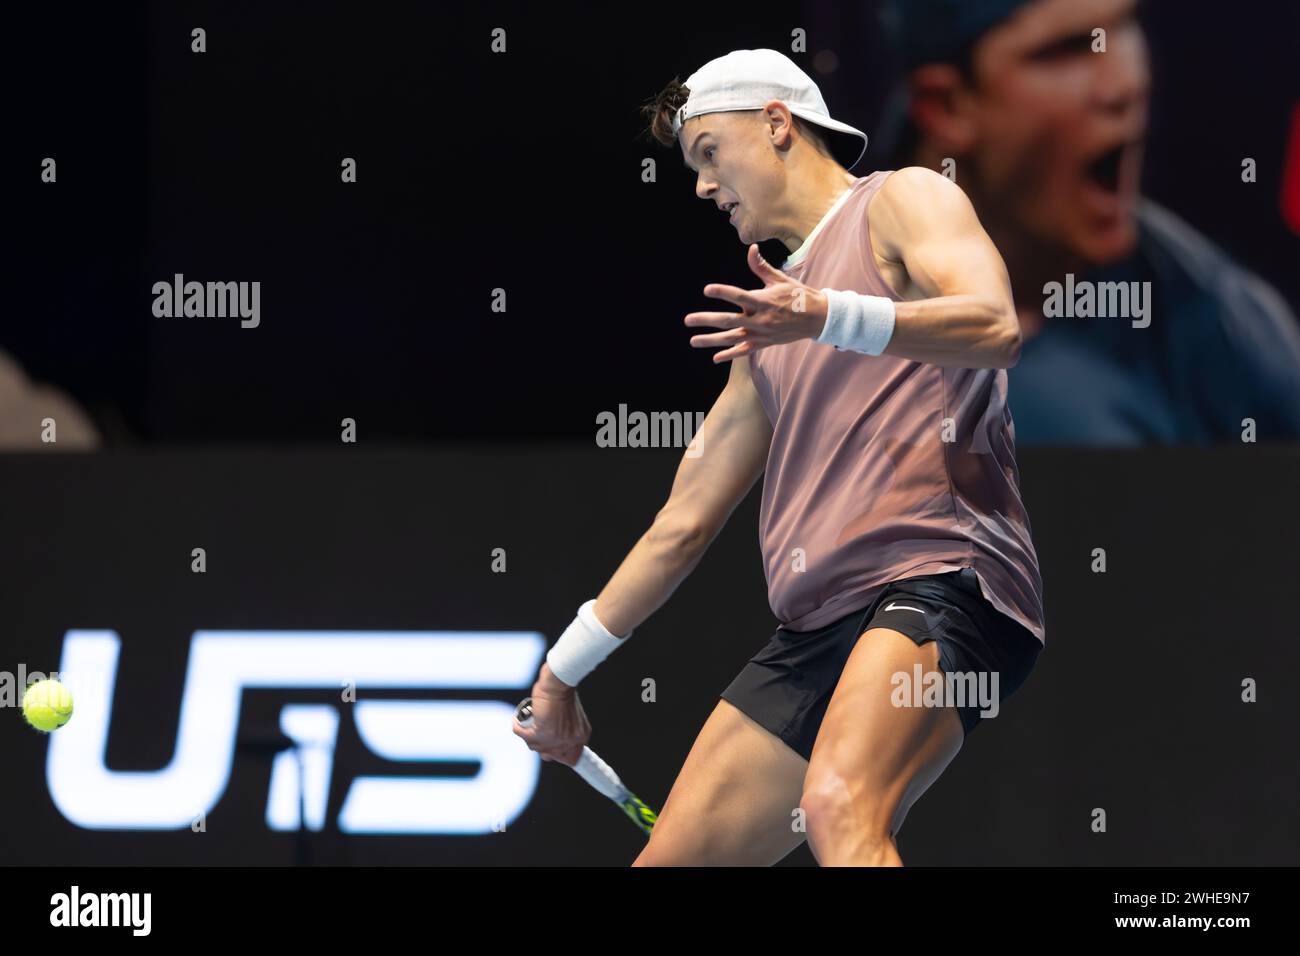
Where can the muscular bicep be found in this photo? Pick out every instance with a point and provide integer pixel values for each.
(727, 456)
(926, 223)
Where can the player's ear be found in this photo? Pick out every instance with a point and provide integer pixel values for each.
(941, 108)
(779, 123)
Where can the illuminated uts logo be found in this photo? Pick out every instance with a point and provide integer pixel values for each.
(223, 663)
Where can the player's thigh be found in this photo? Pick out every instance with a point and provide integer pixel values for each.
(873, 759)
(733, 802)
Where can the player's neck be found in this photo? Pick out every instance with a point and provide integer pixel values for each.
(810, 198)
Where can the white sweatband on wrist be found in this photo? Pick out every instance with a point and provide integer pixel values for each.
(856, 322)
(584, 644)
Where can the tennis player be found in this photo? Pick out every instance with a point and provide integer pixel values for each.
(868, 379)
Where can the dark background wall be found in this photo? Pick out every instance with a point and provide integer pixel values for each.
(476, 171)
(522, 172)
(1134, 707)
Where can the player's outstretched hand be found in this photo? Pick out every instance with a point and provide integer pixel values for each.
(784, 310)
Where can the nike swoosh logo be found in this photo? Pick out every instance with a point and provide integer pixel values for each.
(904, 607)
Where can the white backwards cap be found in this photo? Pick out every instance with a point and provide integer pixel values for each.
(747, 79)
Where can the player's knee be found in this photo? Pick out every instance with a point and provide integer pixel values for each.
(831, 807)
(842, 831)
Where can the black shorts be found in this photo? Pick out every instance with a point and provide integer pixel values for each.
(787, 686)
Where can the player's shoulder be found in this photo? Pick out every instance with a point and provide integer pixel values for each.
(914, 201)
(912, 182)
(915, 194)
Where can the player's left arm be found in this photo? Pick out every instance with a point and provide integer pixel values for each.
(967, 317)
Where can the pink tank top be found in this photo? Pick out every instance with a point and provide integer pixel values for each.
(861, 487)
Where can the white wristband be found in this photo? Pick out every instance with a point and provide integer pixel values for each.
(584, 644)
(856, 322)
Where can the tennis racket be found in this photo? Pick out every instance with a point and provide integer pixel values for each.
(601, 776)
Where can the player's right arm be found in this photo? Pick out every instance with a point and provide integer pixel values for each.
(733, 443)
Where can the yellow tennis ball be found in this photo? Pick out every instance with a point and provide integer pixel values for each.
(47, 705)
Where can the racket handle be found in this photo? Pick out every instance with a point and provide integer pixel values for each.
(590, 767)
(600, 775)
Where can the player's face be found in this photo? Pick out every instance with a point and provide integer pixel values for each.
(736, 168)
(1060, 127)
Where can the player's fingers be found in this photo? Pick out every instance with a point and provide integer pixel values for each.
(735, 352)
(714, 339)
(731, 293)
(718, 320)
(529, 735)
(762, 268)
